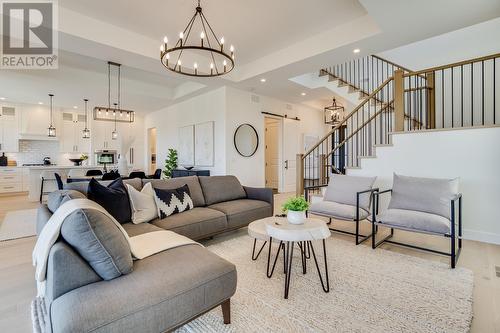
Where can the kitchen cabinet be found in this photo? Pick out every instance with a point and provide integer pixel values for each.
(11, 179)
(9, 129)
(71, 140)
(101, 136)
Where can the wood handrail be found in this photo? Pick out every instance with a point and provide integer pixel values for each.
(337, 147)
(391, 63)
(456, 64)
(349, 115)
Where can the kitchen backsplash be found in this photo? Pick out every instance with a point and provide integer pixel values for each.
(31, 151)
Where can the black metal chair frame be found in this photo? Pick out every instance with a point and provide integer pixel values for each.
(454, 253)
(356, 219)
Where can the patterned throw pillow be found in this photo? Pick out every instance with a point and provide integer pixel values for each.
(174, 201)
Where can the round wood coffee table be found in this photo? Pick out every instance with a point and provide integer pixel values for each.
(278, 229)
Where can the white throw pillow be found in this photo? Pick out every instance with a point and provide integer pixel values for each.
(142, 203)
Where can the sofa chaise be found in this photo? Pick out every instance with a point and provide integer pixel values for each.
(163, 291)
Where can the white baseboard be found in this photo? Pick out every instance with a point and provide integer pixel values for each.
(482, 236)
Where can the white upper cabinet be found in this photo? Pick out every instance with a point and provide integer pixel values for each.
(101, 136)
(9, 129)
(70, 139)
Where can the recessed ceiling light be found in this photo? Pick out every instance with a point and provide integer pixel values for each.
(262, 80)
(303, 94)
(2, 98)
(75, 107)
(356, 50)
(40, 103)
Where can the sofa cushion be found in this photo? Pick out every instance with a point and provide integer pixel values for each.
(142, 203)
(343, 189)
(221, 188)
(196, 223)
(241, 212)
(57, 198)
(415, 220)
(114, 198)
(139, 229)
(83, 186)
(337, 210)
(170, 184)
(99, 241)
(170, 202)
(430, 195)
(162, 292)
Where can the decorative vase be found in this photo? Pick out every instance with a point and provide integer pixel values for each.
(123, 165)
(295, 217)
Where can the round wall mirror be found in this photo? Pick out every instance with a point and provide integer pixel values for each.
(246, 140)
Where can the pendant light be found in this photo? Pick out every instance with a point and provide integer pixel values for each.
(176, 56)
(114, 134)
(86, 131)
(51, 130)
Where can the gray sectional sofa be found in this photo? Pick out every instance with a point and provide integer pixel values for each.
(163, 291)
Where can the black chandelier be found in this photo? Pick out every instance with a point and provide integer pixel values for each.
(334, 113)
(217, 61)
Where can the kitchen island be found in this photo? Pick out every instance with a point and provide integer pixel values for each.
(35, 180)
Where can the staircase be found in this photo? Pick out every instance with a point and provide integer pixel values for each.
(395, 99)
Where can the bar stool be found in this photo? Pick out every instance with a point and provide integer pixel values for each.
(46, 175)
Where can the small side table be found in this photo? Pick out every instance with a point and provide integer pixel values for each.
(303, 234)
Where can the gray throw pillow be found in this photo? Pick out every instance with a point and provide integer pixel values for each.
(221, 188)
(430, 195)
(57, 198)
(99, 241)
(343, 189)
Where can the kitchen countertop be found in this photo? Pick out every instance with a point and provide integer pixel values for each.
(58, 167)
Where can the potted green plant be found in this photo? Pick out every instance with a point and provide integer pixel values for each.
(170, 163)
(295, 209)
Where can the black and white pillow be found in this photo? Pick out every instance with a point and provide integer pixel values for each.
(169, 202)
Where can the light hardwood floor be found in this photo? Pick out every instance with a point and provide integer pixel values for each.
(17, 286)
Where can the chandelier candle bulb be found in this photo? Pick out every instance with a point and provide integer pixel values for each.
(225, 64)
(195, 65)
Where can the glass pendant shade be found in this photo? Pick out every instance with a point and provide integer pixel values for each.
(51, 131)
(114, 134)
(86, 131)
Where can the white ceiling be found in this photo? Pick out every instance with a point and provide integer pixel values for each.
(275, 39)
(255, 27)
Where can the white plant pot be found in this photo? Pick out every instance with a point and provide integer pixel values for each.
(296, 217)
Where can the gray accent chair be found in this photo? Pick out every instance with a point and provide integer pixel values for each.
(346, 198)
(163, 291)
(423, 205)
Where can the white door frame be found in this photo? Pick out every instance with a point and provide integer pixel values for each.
(280, 151)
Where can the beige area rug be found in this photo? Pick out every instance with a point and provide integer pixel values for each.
(18, 224)
(370, 291)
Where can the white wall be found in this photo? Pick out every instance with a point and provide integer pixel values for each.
(471, 154)
(210, 106)
(242, 108)
(228, 108)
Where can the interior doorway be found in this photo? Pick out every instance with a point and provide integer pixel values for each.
(152, 150)
(272, 152)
